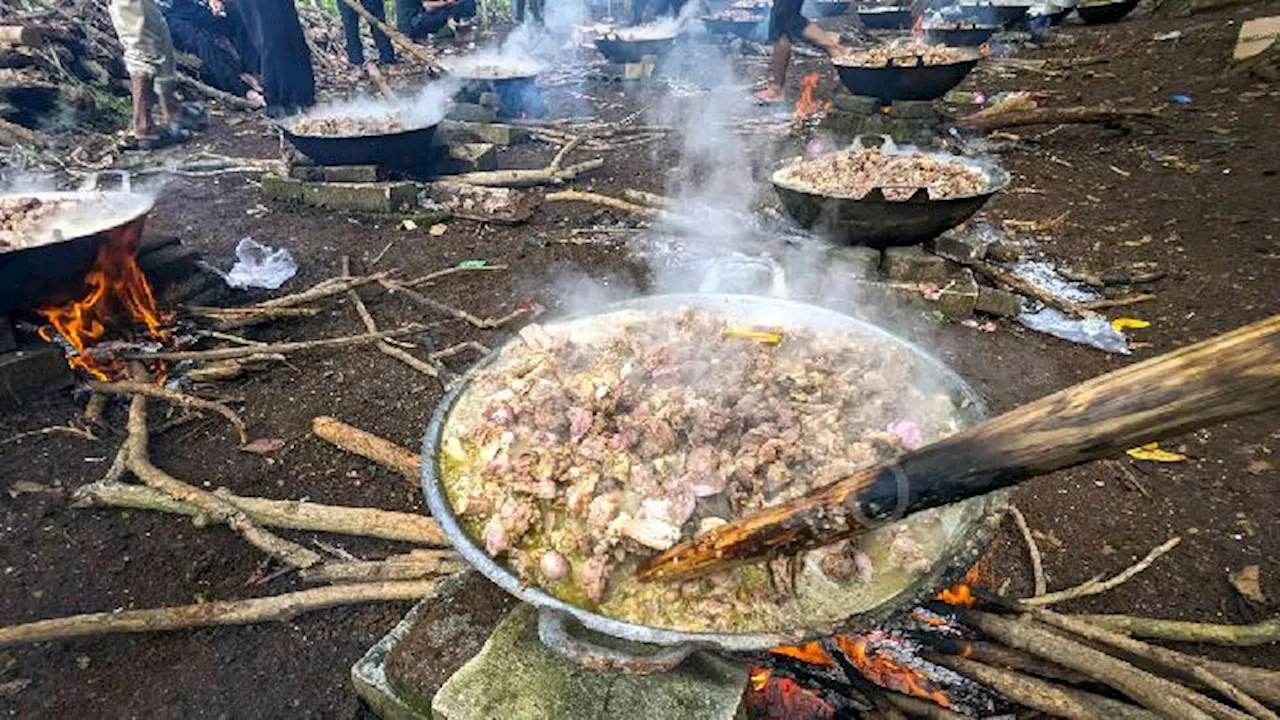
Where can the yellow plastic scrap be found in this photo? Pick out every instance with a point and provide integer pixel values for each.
(1123, 323)
(1152, 453)
(768, 337)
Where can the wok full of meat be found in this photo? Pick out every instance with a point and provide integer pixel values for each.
(589, 446)
(910, 53)
(856, 171)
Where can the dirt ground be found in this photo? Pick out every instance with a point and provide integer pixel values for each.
(1132, 198)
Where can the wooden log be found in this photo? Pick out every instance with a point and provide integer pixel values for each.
(214, 93)
(1045, 696)
(598, 199)
(527, 178)
(220, 612)
(369, 446)
(1224, 378)
(1263, 633)
(412, 566)
(286, 514)
(1097, 114)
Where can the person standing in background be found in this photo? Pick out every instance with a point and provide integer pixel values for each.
(535, 7)
(420, 18)
(195, 28)
(288, 80)
(787, 25)
(351, 29)
(148, 56)
(671, 7)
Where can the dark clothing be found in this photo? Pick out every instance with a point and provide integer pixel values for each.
(351, 29)
(663, 7)
(785, 19)
(535, 6)
(288, 80)
(198, 31)
(413, 20)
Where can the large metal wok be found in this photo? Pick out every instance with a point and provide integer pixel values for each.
(619, 48)
(604, 643)
(906, 82)
(745, 29)
(409, 152)
(875, 220)
(54, 266)
(890, 17)
(994, 12)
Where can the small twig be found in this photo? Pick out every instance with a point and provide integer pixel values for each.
(381, 254)
(278, 348)
(483, 323)
(94, 408)
(461, 347)
(132, 387)
(1130, 477)
(437, 274)
(1116, 302)
(221, 612)
(1096, 586)
(216, 508)
(51, 430)
(1037, 566)
(383, 346)
(598, 199)
(413, 566)
(322, 289)
(216, 335)
(1263, 633)
(647, 198)
(558, 160)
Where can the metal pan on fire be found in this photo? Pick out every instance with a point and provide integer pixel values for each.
(405, 150)
(908, 77)
(911, 216)
(823, 605)
(51, 239)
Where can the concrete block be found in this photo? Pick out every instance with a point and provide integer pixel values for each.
(859, 261)
(377, 197)
(496, 133)
(995, 301)
(959, 294)
(857, 104)
(472, 112)
(337, 173)
(515, 677)
(913, 264)
(29, 374)
(468, 157)
(957, 247)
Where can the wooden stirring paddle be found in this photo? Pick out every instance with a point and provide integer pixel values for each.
(1226, 377)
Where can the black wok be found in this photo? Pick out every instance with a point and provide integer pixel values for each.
(830, 8)
(745, 29)
(898, 82)
(408, 152)
(53, 269)
(619, 50)
(562, 625)
(876, 221)
(960, 36)
(993, 13)
(1098, 13)
(885, 18)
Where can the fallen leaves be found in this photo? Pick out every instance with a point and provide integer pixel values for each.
(438, 229)
(1248, 582)
(1258, 466)
(1152, 452)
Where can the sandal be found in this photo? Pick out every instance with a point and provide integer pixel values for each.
(168, 136)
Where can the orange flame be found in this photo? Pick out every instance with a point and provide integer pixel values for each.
(759, 677)
(984, 49)
(962, 592)
(117, 292)
(882, 670)
(805, 104)
(811, 653)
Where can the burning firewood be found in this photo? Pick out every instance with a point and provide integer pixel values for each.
(129, 387)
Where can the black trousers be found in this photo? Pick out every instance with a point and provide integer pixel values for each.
(785, 19)
(197, 31)
(287, 76)
(535, 6)
(351, 30)
(413, 20)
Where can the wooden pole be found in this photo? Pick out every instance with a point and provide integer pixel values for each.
(396, 36)
(1224, 378)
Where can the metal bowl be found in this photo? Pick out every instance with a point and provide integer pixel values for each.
(745, 29)
(876, 221)
(618, 50)
(993, 13)
(917, 82)
(889, 17)
(1099, 13)
(661, 648)
(960, 36)
(409, 152)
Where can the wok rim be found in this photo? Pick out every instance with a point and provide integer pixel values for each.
(974, 54)
(960, 555)
(147, 204)
(289, 133)
(998, 179)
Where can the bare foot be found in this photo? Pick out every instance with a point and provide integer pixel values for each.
(255, 98)
(769, 96)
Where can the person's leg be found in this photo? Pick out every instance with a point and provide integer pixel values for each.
(637, 11)
(351, 34)
(827, 41)
(785, 24)
(519, 13)
(778, 63)
(463, 10)
(386, 52)
(407, 12)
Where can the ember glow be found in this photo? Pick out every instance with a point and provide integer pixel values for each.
(873, 655)
(806, 104)
(780, 698)
(962, 592)
(118, 297)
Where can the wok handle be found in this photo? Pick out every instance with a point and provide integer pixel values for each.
(553, 631)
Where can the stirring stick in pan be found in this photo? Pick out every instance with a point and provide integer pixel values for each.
(1220, 379)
